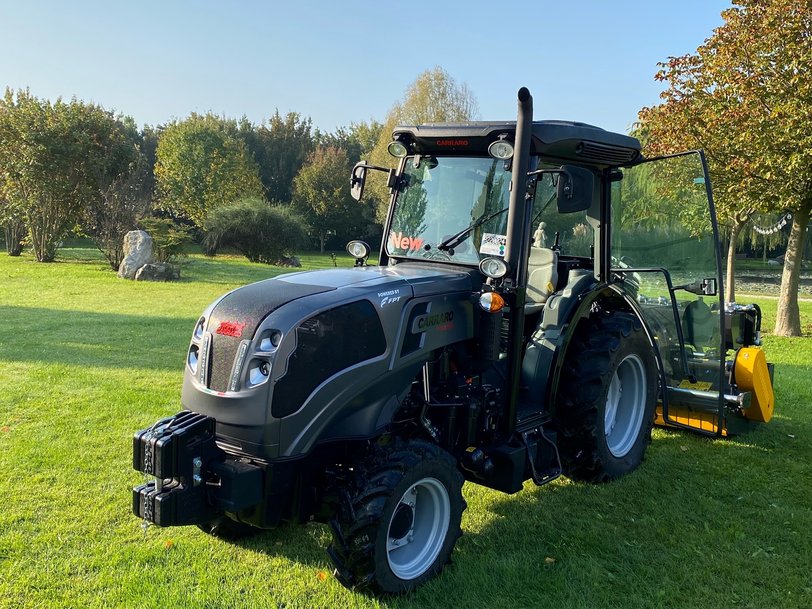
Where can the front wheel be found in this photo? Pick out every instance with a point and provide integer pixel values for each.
(606, 398)
(400, 520)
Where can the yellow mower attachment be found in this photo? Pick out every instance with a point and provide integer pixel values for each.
(750, 399)
(751, 373)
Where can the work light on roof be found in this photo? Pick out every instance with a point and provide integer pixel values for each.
(501, 148)
(397, 149)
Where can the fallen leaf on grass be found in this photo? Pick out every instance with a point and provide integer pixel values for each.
(549, 560)
(684, 449)
(322, 575)
(168, 544)
(5, 428)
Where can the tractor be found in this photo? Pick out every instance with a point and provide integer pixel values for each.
(543, 296)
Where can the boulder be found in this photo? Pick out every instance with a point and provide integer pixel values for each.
(158, 272)
(137, 253)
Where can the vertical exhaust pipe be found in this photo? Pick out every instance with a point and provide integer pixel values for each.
(515, 257)
(517, 249)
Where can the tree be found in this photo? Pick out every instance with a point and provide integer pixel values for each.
(279, 147)
(434, 96)
(123, 201)
(745, 96)
(358, 140)
(56, 157)
(322, 195)
(202, 164)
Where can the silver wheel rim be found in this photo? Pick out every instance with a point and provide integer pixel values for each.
(418, 528)
(625, 405)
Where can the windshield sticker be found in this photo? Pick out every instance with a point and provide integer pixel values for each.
(493, 244)
(404, 242)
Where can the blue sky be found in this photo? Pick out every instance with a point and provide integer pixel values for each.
(348, 61)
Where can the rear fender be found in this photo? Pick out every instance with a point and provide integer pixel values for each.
(602, 296)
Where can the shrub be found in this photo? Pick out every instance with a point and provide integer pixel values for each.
(168, 238)
(258, 230)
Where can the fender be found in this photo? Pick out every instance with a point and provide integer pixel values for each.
(547, 350)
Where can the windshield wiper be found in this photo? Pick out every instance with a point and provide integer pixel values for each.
(454, 240)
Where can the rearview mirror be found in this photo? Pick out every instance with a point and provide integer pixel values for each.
(357, 181)
(575, 188)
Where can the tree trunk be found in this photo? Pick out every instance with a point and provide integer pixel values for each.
(730, 279)
(14, 234)
(788, 316)
(322, 239)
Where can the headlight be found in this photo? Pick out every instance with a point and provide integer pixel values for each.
(193, 358)
(493, 268)
(270, 340)
(258, 372)
(199, 329)
(358, 249)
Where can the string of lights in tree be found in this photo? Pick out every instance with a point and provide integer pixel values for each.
(774, 228)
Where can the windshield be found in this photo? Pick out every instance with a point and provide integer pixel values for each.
(443, 196)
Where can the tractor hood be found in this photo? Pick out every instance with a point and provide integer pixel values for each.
(236, 317)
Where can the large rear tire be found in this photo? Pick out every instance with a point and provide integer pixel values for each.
(399, 520)
(606, 398)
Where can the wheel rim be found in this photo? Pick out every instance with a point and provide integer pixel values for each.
(625, 405)
(418, 528)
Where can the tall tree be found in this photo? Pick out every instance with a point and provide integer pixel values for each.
(745, 96)
(56, 158)
(321, 194)
(279, 146)
(357, 140)
(434, 96)
(201, 164)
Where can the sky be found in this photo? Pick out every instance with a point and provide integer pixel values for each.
(346, 61)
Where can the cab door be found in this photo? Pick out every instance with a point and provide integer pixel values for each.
(664, 252)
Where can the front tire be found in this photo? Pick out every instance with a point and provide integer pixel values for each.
(606, 399)
(400, 520)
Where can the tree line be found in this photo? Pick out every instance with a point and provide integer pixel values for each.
(743, 97)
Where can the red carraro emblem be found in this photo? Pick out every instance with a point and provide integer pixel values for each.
(230, 328)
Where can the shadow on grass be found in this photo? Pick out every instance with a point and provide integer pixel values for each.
(30, 334)
(697, 513)
(228, 272)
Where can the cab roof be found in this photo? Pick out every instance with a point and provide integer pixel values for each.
(565, 140)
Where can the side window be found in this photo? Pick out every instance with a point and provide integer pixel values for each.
(574, 234)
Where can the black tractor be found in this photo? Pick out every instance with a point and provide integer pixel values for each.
(543, 296)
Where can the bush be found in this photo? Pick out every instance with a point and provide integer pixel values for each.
(258, 230)
(168, 238)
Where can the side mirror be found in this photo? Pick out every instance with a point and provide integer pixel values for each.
(575, 188)
(700, 287)
(357, 180)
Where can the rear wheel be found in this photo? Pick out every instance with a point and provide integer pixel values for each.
(400, 520)
(606, 398)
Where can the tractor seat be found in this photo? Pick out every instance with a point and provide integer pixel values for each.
(542, 276)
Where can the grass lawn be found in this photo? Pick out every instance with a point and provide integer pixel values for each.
(86, 359)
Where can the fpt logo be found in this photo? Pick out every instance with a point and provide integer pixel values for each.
(389, 297)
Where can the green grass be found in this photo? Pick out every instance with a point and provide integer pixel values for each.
(86, 359)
